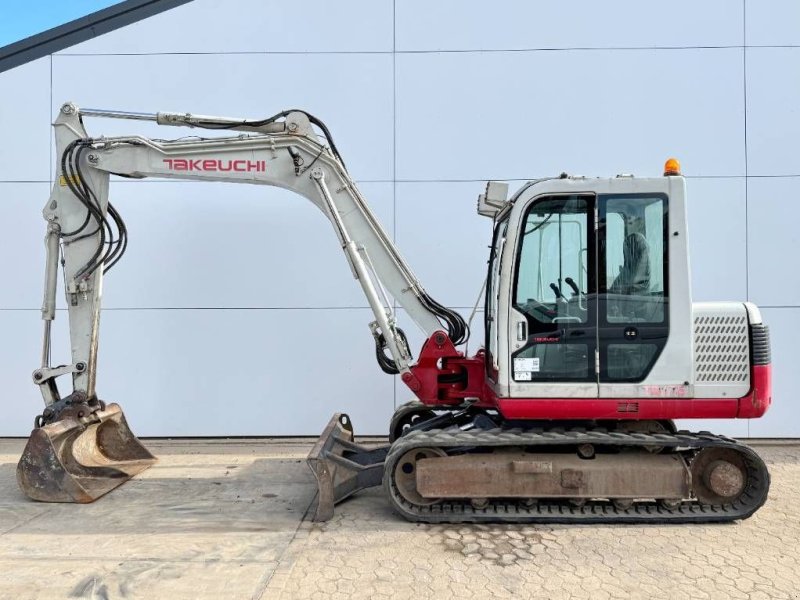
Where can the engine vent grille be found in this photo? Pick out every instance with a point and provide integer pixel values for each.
(721, 349)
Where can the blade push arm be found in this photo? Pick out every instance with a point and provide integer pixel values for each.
(281, 151)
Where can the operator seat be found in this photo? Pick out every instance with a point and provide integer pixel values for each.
(629, 301)
(634, 277)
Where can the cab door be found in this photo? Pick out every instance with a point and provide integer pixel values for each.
(553, 308)
(633, 303)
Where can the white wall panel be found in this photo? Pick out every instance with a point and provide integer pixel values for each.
(195, 245)
(281, 316)
(351, 93)
(213, 372)
(514, 24)
(248, 372)
(22, 244)
(20, 354)
(208, 26)
(231, 245)
(444, 239)
(783, 417)
(773, 22)
(515, 115)
(25, 122)
(774, 240)
(717, 239)
(773, 117)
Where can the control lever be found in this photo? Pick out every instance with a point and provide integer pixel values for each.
(560, 299)
(571, 283)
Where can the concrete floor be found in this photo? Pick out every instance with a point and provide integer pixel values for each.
(216, 519)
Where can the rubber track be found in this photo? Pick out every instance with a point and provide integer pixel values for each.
(505, 511)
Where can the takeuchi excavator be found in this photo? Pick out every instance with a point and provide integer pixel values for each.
(592, 344)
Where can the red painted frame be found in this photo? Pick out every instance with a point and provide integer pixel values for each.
(443, 376)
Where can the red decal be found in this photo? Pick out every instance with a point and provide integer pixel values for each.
(666, 391)
(215, 164)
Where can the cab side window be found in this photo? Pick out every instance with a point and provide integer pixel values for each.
(634, 284)
(635, 260)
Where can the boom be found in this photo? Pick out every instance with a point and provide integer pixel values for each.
(281, 151)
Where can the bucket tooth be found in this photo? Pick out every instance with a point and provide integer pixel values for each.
(341, 466)
(79, 460)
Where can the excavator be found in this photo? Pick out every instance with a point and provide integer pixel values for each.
(592, 344)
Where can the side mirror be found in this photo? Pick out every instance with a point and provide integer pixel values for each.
(493, 199)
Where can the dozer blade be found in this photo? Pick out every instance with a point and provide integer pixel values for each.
(79, 460)
(341, 466)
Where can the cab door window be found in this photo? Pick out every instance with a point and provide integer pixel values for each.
(634, 298)
(554, 290)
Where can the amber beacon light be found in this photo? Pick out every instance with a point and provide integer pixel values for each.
(672, 167)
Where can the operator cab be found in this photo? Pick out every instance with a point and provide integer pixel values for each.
(579, 286)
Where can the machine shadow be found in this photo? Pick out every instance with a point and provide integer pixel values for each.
(267, 495)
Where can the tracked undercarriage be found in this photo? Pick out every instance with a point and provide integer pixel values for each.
(469, 471)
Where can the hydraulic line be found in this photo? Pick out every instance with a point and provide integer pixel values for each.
(113, 240)
(456, 326)
(386, 364)
(111, 245)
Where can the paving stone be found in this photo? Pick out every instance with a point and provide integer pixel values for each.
(217, 520)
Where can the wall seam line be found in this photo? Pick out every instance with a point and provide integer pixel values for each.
(394, 160)
(746, 158)
(746, 183)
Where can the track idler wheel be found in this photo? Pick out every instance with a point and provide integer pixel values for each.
(405, 475)
(719, 475)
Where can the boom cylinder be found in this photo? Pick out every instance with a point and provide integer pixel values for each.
(362, 275)
(183, 119)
